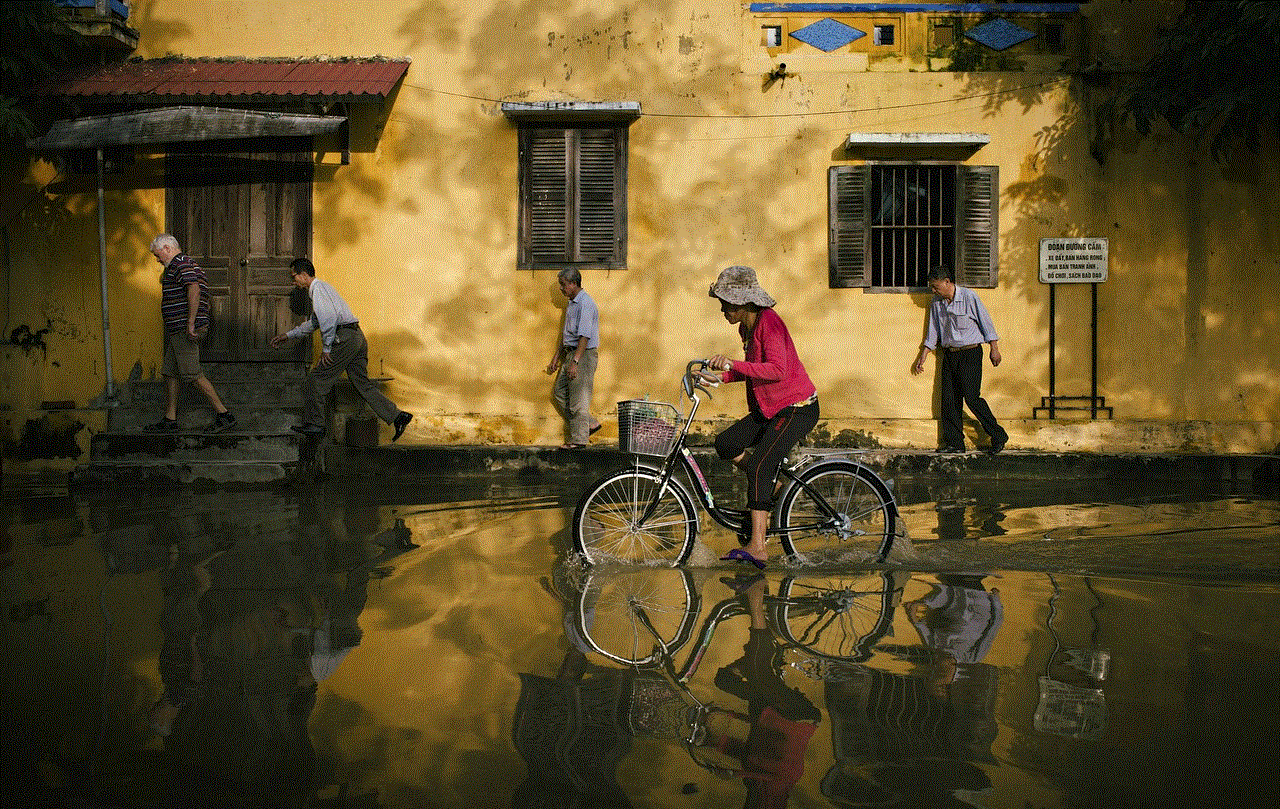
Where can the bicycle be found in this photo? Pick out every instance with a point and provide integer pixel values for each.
(828, 507)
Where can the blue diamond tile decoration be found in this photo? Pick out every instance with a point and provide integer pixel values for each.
(999, 34)
(828, 34)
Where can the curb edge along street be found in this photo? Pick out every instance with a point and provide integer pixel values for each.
(1258, 471)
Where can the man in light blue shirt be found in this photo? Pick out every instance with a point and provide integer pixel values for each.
(958, 326)
(343, 348)
(576, 359)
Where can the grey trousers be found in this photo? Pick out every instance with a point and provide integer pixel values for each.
(573, 396)
(350, 355)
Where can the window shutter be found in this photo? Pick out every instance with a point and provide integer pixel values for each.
(548, 178)
(599, 166)
(848, 225)
(978, 259)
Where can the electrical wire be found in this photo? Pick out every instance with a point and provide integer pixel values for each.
(757, 116)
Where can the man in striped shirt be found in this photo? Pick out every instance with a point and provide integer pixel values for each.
(184, 307)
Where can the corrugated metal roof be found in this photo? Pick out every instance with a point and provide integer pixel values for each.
(170, 79)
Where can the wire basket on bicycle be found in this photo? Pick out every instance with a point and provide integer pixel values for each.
(647, 428)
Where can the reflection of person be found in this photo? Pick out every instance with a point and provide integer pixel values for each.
(184, 307)
(237, 676)
(916, 739)
(958, 326)
(179, 659)
(343, 348)
(957, 621)
(576, 358)
(782, 402)
(782, 719)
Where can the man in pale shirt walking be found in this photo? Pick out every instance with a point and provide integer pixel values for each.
(575, 359)
(343, 348)
(958, 326)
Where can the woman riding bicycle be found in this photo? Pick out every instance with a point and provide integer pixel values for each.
(782, 402)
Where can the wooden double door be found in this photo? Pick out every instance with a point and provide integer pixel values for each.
(243, 218)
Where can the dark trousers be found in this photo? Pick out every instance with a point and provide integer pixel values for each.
(962, 381)
(352, 356)
(772, 439)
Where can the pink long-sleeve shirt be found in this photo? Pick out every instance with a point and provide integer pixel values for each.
(773, 372)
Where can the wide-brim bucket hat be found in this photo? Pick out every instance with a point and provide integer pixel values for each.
(737, 285)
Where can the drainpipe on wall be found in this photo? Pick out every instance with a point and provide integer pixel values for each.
(109, 393)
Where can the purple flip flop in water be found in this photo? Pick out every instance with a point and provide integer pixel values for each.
(741, 555)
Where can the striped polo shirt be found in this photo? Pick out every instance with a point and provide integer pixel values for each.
(180, 272)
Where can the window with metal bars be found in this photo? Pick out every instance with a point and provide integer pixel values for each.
(573, 202)
(891, 222)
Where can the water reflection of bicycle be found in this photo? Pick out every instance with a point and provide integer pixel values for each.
(829, 508)
(644, 617)
(819, 625)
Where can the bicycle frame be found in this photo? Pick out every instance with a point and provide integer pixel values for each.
(730, 608)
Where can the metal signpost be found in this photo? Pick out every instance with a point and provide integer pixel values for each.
(1073, 260)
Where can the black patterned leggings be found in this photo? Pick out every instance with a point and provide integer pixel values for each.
(770, 440)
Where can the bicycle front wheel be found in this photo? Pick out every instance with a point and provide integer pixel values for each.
(635, 617)
(837, 618)
(630, 516)
(837, 511)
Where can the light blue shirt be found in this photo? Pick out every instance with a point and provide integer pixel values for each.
(581, 319)
(976, 616)
(328, 312)
(962, 322)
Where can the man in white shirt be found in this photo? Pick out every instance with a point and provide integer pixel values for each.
(958, 326)
(343, 348)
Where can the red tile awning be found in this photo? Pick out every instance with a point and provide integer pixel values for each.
(172, 80)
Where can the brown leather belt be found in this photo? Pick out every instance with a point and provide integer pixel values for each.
(961, 348)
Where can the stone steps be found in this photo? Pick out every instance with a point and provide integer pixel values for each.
(259, 449)
(265, 397)
(233, 457)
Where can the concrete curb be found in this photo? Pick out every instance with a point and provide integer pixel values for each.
(1257, 471)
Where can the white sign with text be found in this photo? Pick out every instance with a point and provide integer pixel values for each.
(1073, 260)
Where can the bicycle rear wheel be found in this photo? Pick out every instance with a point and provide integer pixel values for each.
(633, 617)
(837, 618)
(607, 524)
(858, 525)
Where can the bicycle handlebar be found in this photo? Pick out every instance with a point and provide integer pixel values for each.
(691, 379)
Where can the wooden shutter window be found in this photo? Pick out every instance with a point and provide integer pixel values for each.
(848, 225)
(597, 225)
(549, 166)
(978, 259)
(573, 197)
(977, 256)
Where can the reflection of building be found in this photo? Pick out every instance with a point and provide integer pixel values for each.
(572, 733)
(892, 735)
(249, 630)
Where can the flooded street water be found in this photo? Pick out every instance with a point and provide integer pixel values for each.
(429, 646)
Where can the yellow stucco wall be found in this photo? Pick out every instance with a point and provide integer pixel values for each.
(419, 231)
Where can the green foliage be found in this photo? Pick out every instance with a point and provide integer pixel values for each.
(36, 44)
(1215, 75)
